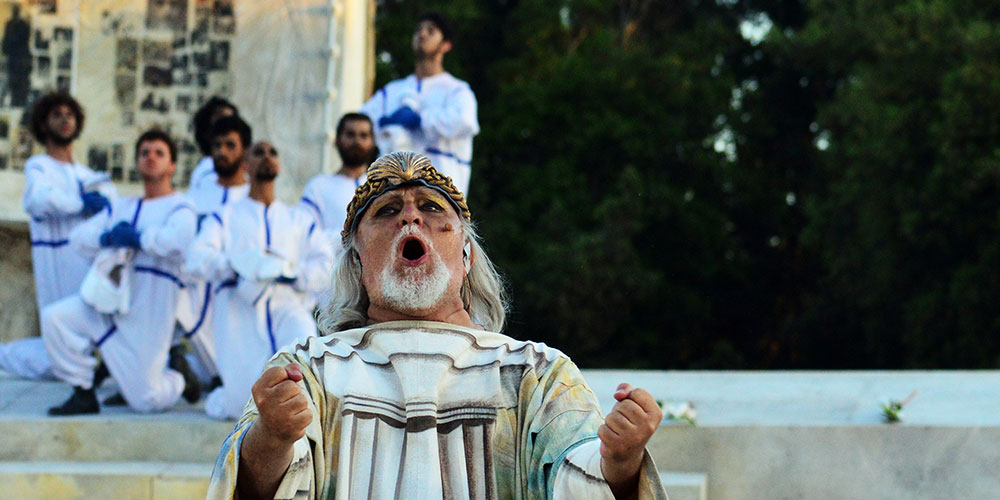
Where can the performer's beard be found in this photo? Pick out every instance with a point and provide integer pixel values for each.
(224, 169)
(413, 289)
(62, 140)
(356, 155)
(266, 173)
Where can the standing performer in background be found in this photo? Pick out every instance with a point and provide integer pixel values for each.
(59, 194)
(230, 137)
(413, 393)
(430, 111)
(146, 239)
(326, 196)
(266, 256)
(206, 116)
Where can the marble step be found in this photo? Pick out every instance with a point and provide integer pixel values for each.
(685, 485)
(27, 433)
(110, 480)
(96, 439)
(171, 480)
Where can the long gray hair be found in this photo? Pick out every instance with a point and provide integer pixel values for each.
(483, 293)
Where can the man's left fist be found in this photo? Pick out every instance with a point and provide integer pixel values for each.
(628, 428)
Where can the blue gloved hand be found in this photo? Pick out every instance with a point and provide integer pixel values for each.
(106, 236)
(122, 235)
(404, 116)
(94, 202)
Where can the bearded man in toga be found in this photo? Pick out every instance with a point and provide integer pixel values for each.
(411, 393)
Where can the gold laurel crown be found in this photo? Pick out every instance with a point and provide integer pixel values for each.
(394, 170)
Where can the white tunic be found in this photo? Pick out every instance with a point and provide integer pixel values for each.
(327, 197)
(135, 345)
(209, 196)
(253, 318)
(195, 312)
(52, 198)
(204, 170)
(424, 410)
(448, 120)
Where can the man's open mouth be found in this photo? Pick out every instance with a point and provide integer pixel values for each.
(413, 251)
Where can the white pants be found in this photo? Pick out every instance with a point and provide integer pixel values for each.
(194, 313)
(58, 274)
(133, 350)
(245, 339)
(26, 358)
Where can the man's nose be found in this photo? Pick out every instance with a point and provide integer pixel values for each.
(410, 215)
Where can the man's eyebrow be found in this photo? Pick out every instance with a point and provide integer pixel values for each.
(385, 198)
(435, 197)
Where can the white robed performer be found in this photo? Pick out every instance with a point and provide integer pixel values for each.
(148, 236)
(413, 394)
(230, 137)
(204, 119)
(326, 196)
(430, 111)
(59, 194)
(266, 256)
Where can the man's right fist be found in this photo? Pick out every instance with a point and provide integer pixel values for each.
(284, 409)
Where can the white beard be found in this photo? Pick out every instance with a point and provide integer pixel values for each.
(415, 290)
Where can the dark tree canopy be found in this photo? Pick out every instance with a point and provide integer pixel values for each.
(664, 190)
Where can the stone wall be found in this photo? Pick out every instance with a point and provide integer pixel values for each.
(884, 462)
(821, 435)
(18, 310)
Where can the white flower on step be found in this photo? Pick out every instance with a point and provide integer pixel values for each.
(680, 412)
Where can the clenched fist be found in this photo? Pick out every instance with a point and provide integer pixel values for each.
(624, 435)
(284, 409)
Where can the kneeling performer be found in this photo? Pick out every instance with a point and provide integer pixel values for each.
(144, 240)
(266, 257)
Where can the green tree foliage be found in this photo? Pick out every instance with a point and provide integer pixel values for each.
(907, 222)
(649, 181)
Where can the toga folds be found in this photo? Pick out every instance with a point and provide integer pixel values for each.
(417, 409)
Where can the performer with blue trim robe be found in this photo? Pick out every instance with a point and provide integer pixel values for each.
(153, 232)
(430, 111)
(58, 196)
(412, 394)
(230, 137)
(326, 196)
(266, 257)
(204, 119)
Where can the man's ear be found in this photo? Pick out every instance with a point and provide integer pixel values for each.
(445, 47)
(467, 256)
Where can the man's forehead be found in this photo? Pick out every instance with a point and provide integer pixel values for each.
(358, 125)
(231, 135)
(427, 23)
(153, 144)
